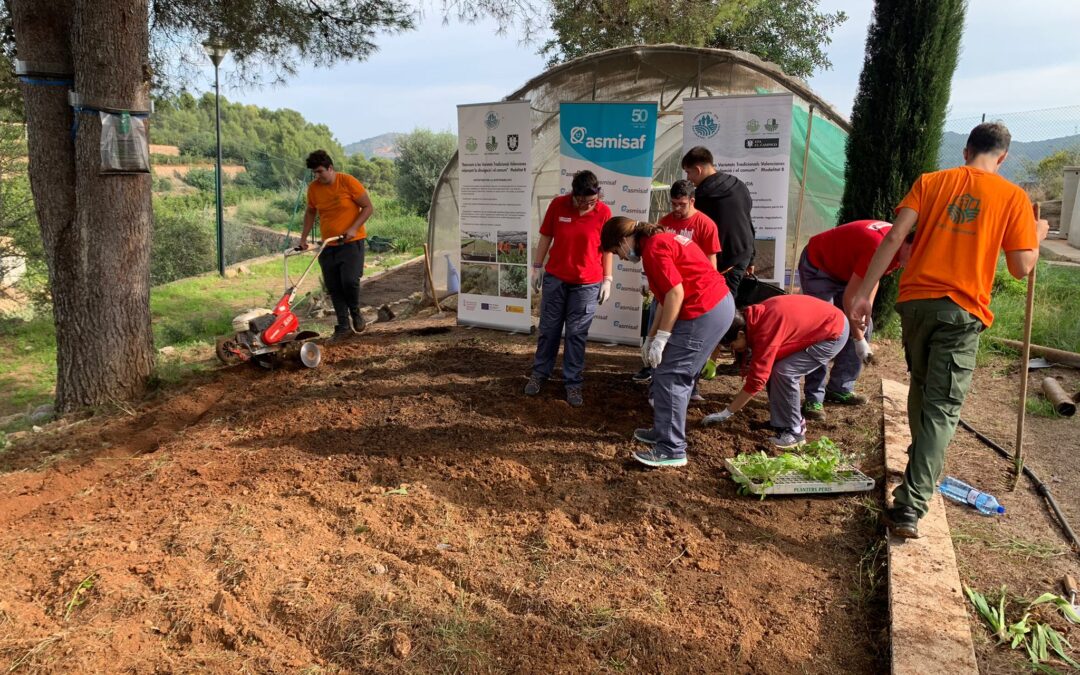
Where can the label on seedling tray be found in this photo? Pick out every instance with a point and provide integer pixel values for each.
(847, 479)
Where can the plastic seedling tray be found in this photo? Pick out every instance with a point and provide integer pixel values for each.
(795, 483)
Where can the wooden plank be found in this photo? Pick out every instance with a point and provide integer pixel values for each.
(929, 624)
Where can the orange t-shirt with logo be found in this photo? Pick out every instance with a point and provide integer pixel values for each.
(336, 204)
(966, 218)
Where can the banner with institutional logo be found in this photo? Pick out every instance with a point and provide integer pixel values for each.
(615, 141)
(495, 193)
(750, 138)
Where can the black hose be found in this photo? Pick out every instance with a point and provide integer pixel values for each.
(1040, 487)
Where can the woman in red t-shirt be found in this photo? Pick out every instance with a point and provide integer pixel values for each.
(779, 341)
(576, 279)
(696, 309)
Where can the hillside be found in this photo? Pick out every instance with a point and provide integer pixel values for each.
(382, 145)
(1020, 152)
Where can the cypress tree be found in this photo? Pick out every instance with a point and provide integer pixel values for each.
(899, 112)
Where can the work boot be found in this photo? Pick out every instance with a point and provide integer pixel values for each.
(902, 521)
(534, 385)
(574, 397)
(646, 436)
(813, 410)
(341, 333)
(845, 398)
(357, 320)
(657, 458)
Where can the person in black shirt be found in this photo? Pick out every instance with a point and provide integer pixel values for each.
(726, 200)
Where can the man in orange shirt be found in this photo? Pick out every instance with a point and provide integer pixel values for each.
(962, 219)
(343, 206)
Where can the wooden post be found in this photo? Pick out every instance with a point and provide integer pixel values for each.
(802, 196)
(431, 282)
(1025, 356)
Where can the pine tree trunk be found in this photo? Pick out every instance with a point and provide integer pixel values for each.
(96, 228)
(899, 112)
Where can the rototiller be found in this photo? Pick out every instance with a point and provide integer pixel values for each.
(267, 337)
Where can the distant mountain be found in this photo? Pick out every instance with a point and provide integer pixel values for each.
(1020, 152)
(383, 145)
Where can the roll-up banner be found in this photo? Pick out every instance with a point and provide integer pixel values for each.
(615, 141)
(750, 138)
(494, 198)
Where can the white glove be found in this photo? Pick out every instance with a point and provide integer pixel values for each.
(538, 279)
(645, 350)
(656, 348)
(605, 290)
(862, 349)
(717, 418)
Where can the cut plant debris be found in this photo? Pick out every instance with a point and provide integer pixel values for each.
(1041, 642)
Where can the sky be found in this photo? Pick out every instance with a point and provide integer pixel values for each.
(1014, 57)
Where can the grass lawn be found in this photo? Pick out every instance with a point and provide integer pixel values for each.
(187, 314)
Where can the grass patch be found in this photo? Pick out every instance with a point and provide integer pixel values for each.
(1040, 407)
(1056, 314)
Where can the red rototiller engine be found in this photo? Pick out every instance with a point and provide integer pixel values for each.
(268, 336)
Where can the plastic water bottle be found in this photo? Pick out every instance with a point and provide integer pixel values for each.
(959, 491)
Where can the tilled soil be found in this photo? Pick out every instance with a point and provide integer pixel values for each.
(404, 508)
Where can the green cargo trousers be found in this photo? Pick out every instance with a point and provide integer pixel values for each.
(940, 342)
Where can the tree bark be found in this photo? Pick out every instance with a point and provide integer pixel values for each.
(95, 228)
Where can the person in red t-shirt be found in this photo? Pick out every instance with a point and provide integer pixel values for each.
(686, 220)
(577, 279)
(831, 268)
(696, 309)
(787, 337)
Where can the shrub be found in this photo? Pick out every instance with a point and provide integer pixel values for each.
(183, 243)
(203, 179)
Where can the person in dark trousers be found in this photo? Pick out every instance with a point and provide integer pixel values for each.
(831, 268)
(963, 218)
(575, 280)
(695, 310)
(727, 202)
(343, 206)
(780, 340)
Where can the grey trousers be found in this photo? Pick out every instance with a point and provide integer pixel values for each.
(689, 347)
(847, 366)
(783, 385)
(572, 306)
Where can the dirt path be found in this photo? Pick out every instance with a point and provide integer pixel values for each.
(403, 508)
(393, 285)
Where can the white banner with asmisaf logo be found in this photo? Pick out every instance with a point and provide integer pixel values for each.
(615, 141)
(750, 138)
(494, 198)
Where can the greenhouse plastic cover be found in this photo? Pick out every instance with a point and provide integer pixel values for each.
(665, 74)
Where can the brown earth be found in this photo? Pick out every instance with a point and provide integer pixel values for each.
(404, 508)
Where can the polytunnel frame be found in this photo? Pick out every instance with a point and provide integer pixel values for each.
(707, 59)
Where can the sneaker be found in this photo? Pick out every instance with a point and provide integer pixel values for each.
(813, 410)
(358, 323)
(695, 397)
(574, 397)
(845, 398)
(643, 376)
(647, 436)
(902, 521)
(660, 458)
(787, 438)
(534, 385)
(709, 371)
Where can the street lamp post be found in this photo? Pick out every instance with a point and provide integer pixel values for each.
(217, 51)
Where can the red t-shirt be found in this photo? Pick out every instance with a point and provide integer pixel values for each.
(781, 326)
(847, 250)
(574, 256)
(698, 228)
(671, 259)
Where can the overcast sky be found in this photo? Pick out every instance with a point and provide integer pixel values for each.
(1016, 56)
